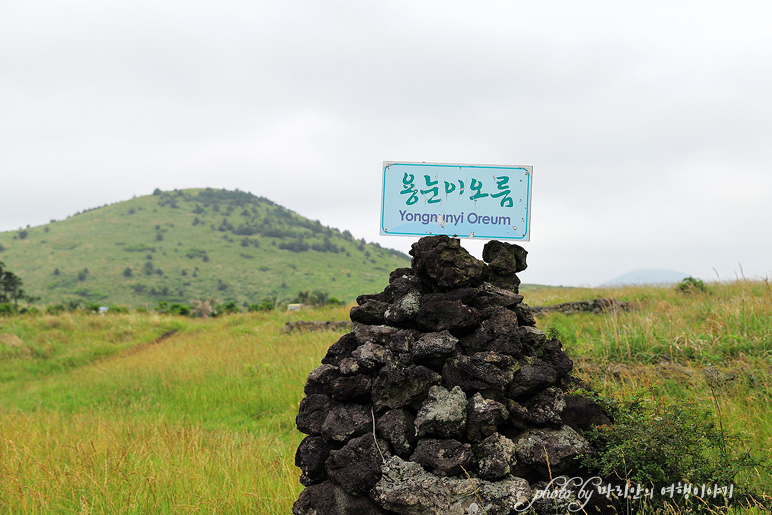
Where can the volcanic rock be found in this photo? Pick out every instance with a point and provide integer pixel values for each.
(442, 414)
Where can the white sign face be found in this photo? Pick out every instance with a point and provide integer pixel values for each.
(458, 200)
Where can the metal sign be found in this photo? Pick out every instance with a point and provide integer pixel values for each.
(458, 200)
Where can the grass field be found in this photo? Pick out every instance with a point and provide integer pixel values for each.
(100, 415)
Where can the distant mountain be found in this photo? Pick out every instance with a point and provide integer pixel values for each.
(647, 276)
(193, 244)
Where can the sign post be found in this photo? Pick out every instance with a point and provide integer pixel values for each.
(458, 200)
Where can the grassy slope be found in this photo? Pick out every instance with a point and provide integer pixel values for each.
(204, 420)
(110, 239)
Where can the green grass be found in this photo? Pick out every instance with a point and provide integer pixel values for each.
(203, 420)
(94, 418)
(208, 259)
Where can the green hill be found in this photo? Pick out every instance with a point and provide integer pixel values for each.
(193, 244)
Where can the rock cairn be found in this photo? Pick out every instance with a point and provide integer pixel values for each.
(444, 398)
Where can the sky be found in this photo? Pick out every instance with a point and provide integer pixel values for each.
(648, 125)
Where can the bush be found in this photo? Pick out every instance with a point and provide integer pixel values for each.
(228, 308)
(72, 304)
(6, 308)
(265, 305)
(92, 307)
(54, 309)
(656, 443)
(295, 246)
(691, 285)
(179, 309)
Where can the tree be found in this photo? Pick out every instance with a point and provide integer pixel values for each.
(10, 287)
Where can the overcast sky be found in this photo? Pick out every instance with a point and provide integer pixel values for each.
(648, 124)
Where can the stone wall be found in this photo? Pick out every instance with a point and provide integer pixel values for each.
(595, 306)
(444, 398)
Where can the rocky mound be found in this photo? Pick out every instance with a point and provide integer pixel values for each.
(444, 398)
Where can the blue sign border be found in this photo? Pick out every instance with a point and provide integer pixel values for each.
(528, 173)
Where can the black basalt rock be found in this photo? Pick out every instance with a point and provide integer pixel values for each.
(319, 381)
(341, 349)
(397, 426)
(500, 333)
(494, 457)
(330, 499)
(442, 264)
(444, 377)
(533, 375)
(483, 417)
(554, 355)
(432, 349)
(355, 388)
(447, 315)
(444, 457)
(504, 258)
(371, 312)
(487, 372)
(310, 458)
(398, 386)
(504, 261)
(582, 413)
(525, 315)
(344, 421)
(312, 412)
(356, 466)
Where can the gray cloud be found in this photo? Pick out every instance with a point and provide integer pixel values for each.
(647, 126)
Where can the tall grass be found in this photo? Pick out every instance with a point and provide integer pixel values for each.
(94, 418)
(728, 321)
(712, 348)
(201, 421)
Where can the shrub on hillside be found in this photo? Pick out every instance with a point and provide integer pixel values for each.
(54, 309)
(294, 246)
(72, 304)
(174, 308)
(228, 308)
(655, 443)
(691, 285)
(265, 305)
(91, 307)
